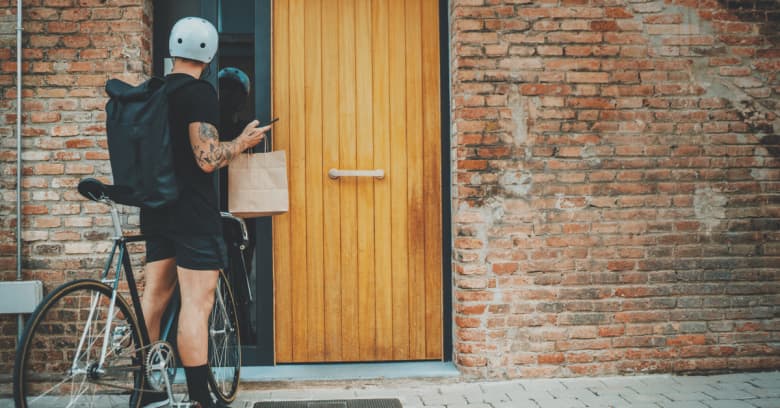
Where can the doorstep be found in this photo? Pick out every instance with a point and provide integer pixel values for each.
(349, 371)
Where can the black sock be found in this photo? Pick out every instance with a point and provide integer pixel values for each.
(198, 384)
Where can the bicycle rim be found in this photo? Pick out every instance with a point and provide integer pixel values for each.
(224, 345)
(58, 359)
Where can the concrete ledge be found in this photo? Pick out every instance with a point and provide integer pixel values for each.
(349, 371)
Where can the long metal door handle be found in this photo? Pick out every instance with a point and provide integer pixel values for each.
(336, 173)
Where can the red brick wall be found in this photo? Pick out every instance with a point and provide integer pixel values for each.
(615, 186)
(71, 47)
(614, 175)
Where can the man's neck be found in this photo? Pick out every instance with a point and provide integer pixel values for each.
(185, 67)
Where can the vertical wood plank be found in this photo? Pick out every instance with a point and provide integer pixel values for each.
(298, 180)
(365, 193)
(432, 180)
(415, 211)
(314, 217)
(281, 224)
(382, 193)
(348, 159)
(398, 179)
(332, 190)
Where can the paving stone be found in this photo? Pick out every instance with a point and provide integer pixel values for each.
(655, 389)
(423, 406)
(612, 391)
(502, 387)
(641, 405)
(682, 404)
(765, 382)
(729, 395)
(516, 404)
(765, 392)
(694, 387)
(724, 403)
(612, 400)
(488, 397)
(559, 402)
(521, 395)
(449, 399)
(461, 389)
(543, 385)
(687, 396)
(582, 382)
(572, 393)
(643, 398)
(765, 402)
(732, 378)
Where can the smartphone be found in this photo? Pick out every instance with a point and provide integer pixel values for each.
(269, 123)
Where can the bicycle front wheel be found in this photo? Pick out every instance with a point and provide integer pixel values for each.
(224, 344)
(80, 348)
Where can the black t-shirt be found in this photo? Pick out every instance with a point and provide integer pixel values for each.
(197, 209)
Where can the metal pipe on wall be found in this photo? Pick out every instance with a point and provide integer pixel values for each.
(19, 29)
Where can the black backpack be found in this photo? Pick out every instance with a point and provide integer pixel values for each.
(139, 142)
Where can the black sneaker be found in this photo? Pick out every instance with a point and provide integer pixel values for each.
(150, 399)
(213, 404)
(155, 400)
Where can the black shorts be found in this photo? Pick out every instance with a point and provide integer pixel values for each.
(199, 252)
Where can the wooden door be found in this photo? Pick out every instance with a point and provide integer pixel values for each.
(358, 260)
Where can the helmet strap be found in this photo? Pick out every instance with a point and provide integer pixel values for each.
(206, 71)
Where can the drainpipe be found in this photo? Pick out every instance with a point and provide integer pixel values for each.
(20, 318)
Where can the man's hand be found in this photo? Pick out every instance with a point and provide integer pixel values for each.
(252, 135)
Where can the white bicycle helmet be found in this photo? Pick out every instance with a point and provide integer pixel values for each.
(193, 38)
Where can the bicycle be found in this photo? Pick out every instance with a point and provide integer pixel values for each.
(85, 345)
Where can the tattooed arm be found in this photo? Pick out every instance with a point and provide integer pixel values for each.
(211, 154)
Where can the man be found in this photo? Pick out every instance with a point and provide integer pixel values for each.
(185, 241)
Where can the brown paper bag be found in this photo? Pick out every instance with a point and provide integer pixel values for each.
(257, 185)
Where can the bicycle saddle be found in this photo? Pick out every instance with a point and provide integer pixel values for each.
(95, 190)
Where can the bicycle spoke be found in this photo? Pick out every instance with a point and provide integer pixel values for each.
(224, 356)
(68, 338)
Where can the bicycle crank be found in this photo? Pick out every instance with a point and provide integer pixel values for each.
(160, 366)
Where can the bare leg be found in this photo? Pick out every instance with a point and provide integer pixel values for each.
(160, 279)
(197, 298)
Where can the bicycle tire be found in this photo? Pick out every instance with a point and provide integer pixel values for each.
(60, 326)
(224, 344)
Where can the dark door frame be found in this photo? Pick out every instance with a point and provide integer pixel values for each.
(263, 44)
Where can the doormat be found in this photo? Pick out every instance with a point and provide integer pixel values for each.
(352, 403)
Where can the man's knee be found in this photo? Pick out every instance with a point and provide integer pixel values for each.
(197, 288)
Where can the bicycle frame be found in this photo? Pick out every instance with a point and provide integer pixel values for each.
(120, 252)
(119, 258)
(123, 261)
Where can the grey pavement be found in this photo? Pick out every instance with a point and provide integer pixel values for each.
(744, 390)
